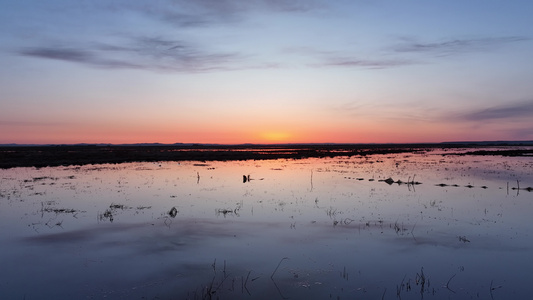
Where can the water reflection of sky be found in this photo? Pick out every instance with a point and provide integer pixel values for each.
(108, 230)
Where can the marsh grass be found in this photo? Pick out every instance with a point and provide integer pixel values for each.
(59, 210)
(464, 239)
(225, 285)
(332, 212)
(106, 215)
(225, 212)
(110, 213)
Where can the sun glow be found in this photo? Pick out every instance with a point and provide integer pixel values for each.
(275, 136)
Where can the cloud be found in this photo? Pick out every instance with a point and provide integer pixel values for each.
(509, 111)
(75, 55)
(197, 53)
(189, 18)
(384, 111)
(454, 46)
(180, 19)
(508, 121)
(161, 54)
(398, 55)
(238, 6)
(147, 53)
(186, 13)
(322, 59)
(353, 62)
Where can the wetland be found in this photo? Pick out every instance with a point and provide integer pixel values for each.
(377, 223)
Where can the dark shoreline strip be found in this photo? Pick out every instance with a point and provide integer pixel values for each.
(65, 155)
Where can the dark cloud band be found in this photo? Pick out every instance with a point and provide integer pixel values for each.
(455, 45)
(510, 111)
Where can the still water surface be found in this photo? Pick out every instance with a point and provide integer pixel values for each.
(326, 228)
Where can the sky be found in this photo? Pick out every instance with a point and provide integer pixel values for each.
(265, 71)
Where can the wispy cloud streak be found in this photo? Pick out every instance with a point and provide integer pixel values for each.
(149, 53)
(161, 54)
(353, 62)
(454, 46)
(185, 13)
(76, 55)
(509, 111)
(324, 59)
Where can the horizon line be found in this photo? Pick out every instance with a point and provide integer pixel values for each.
(265, 144)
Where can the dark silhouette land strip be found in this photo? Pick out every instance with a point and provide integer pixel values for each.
(64, 155)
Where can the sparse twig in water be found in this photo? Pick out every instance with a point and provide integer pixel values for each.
(421, 278)
(311, 180)
(224, 271)
(271, 276)
(507, 187)
(246, 282)
(219, 285)
(492, 289)
(413, 230)
(247, 276)
(464, 239)
(448, 284)
(277, 288)
(517, 188)
(399, 289)
(209, 289)
(344, 274)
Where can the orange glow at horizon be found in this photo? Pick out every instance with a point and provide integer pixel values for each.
(275, 136)
(281, 131)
